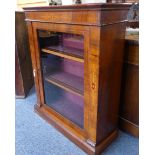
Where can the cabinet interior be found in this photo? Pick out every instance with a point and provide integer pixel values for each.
(62, 61)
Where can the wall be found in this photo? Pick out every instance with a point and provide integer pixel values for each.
(31, 3)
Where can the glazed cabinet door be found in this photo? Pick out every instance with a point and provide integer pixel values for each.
(61, 56)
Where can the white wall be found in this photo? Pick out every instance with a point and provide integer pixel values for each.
(93, 1)
(31, 3)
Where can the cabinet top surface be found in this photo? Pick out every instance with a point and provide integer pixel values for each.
(89, 6)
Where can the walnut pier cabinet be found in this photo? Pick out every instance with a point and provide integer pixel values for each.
(77, 57)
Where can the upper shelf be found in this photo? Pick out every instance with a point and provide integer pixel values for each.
(65, 52)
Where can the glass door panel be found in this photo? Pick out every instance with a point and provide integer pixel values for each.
(62, 61)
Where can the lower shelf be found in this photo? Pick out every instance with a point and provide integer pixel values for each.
(65, 103)
(66, 81)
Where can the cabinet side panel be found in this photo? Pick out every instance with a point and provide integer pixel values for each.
(93, 75)
(111, 60)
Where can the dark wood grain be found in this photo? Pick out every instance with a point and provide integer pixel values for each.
(23, 67)
(129, 108)
(110, 72)
(18, 78)
(103, 29)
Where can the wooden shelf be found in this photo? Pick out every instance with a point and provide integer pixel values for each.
(67, 82)
(66, 52)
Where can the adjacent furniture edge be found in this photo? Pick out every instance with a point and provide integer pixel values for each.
(129, 107)
(23, 67)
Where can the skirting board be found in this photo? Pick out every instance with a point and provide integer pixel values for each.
(128, 127)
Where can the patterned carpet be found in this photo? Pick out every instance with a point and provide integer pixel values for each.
(36, 137)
